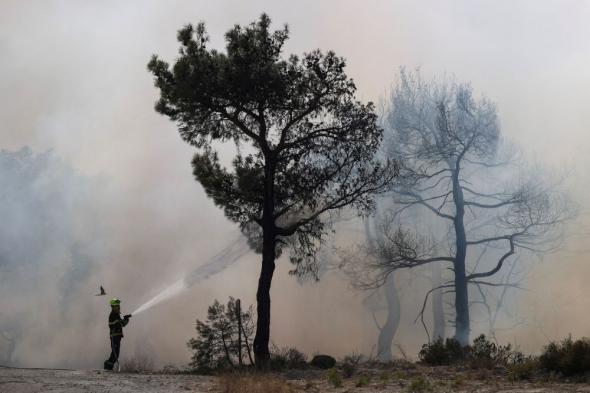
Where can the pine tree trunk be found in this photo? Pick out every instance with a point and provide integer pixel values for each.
(262, 337)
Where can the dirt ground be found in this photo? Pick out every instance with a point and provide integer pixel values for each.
(420, 380)
(15, 380)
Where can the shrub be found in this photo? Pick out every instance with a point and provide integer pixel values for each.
(568, 358)
(348, 370)
(217, 345)
(140, 362)
(486, 354)
(481, 354)
(287, 358)
(334, 378)
(439, 352)
(350, 364)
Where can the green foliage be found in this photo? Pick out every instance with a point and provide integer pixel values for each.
(568, 358)
(217, 344)
(334, 378)
(364, 380)
(309, 144)
(420, 385)
(481, 354)
(486, 354)
(439, 352)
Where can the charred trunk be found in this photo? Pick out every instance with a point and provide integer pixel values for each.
(438, 314)
(387, 332)
(462, 323)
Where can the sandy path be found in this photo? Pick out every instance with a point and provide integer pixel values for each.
(15, 380)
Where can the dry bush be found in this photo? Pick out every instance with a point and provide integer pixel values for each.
(350, 363)
(253, 383)
(287, 358)
(139, 362)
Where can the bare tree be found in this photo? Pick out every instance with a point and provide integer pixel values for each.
(454, 167)
(389, 328)
(364, 274)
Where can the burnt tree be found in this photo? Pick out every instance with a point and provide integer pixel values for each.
(455, 168)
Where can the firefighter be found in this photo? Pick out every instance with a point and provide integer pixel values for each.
(116, 324)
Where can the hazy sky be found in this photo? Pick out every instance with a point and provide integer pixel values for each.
(73, 73)
(73, 78)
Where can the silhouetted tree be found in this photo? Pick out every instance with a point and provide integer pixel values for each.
(305, 146)
(452, 167)
(220, 341)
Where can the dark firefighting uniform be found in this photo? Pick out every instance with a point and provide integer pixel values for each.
(116, 324)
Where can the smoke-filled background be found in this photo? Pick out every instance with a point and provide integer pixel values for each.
(96, 188)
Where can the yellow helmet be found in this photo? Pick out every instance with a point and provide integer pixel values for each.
(115, 302)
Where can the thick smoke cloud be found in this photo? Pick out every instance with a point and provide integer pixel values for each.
(51, 247)
(124, 211)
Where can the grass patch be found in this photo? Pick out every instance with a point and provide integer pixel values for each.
(334, 378)
(364, 380)
(457, 382)
(420, 385)
(254, 383)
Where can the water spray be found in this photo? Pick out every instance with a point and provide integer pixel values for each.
(216, 264)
